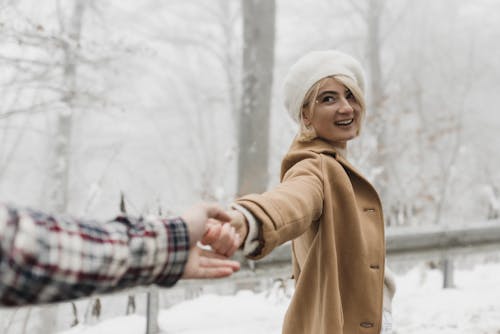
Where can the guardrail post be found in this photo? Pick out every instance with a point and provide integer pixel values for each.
(448, 273)
(153, 303)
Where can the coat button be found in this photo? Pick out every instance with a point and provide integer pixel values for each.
(366, 324)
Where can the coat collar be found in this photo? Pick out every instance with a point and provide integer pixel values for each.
(318, 146)
(302, 150)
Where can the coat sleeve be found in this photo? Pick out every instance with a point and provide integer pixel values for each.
(45, 258)
(285, 212)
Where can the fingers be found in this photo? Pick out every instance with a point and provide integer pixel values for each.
(197, 217)
(207, 264)
(213, 226)
(222, 238)
(216, 266)
(209, 259)
(235, 246)
(215, 272)
(227, 242)
(212, 233)
(215, 211)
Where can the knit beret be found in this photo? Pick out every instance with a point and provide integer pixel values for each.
(313, 67)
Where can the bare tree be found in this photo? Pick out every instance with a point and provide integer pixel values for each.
(254, 120)
(60, 167)
(383, 173)
(377, 92)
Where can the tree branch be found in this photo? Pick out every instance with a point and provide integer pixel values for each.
(28, 110)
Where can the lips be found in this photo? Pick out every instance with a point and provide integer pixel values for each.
(345, 122)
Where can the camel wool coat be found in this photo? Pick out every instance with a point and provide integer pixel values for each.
(334, 217)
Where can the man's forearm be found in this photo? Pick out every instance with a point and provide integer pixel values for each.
(46, 258)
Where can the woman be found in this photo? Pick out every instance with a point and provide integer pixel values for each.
(329, 210)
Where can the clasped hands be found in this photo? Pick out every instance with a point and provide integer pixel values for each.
(223, 231)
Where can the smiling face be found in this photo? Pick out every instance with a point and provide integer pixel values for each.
(335, 114)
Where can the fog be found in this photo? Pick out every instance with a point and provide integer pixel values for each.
(153, 91)
(145, 99)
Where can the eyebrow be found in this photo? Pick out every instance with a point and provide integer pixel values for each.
(333, 92)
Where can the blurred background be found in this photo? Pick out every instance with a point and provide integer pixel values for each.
(172, 102)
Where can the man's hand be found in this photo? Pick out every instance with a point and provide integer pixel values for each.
(209, 221)
(207, 264)
(202, 215)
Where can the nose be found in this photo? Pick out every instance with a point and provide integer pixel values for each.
(345, 106)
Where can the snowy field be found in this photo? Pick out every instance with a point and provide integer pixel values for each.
(420, 307)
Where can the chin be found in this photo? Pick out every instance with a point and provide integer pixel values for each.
(350, 136)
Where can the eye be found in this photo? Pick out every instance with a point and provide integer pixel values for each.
(328, 99)
(349, 95)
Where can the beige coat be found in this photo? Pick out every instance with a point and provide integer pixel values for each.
(334, 217)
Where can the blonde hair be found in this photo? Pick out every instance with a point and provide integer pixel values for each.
(308, 133)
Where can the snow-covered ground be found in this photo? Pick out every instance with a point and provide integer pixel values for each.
(420, 306)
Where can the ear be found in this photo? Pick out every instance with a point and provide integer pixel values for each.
(305, 117)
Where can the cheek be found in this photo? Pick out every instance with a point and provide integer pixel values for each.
(357, 115)
(325, 116)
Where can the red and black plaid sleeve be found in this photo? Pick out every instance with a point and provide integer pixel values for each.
(45, 258)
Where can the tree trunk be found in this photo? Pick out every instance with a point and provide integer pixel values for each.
(254, 117)
(62, 148)
(386, 180)
(377, 94)
(60, 166)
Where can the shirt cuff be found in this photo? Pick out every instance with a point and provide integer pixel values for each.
(177, 250)
(252, 242)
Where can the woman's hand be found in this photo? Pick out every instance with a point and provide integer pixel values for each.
(209, 223)
(227, 239)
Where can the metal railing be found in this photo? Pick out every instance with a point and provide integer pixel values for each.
(416, 242)
(424, 239)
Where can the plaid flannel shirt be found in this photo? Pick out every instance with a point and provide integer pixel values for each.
(46, 258)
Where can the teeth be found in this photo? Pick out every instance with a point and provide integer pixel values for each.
(346, 122)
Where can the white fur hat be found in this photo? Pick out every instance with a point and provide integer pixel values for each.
(313, 67)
